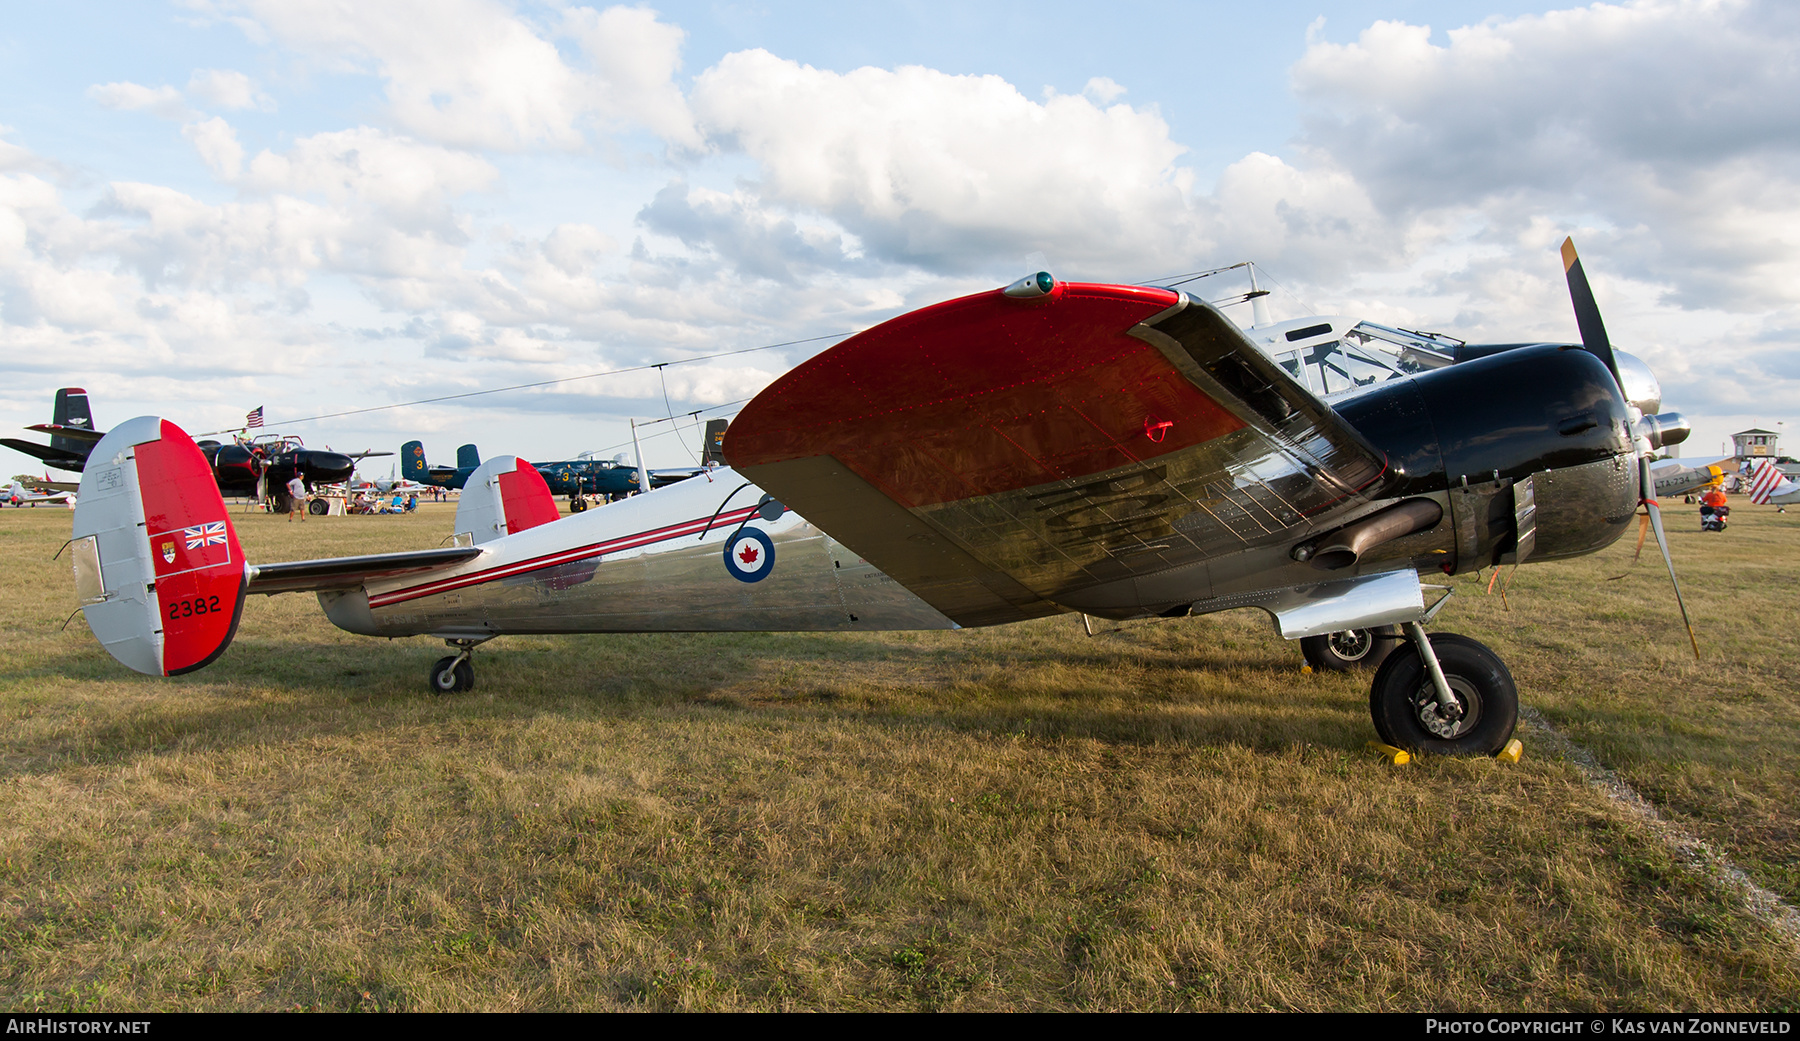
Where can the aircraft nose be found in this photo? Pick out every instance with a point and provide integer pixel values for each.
(332, 462)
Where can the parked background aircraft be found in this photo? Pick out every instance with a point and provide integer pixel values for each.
(1676, 479)
(253, 468)
(414, 467)
(1118, 451)
(614, 478)
(45, 484)
(261, 468)
(69, 420)
(19, 495)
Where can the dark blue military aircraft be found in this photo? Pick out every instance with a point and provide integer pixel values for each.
(612, 479)
(414, 468)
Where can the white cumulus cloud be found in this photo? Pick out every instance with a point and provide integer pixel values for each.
(227, 88)
(124, 96)
(946, 170)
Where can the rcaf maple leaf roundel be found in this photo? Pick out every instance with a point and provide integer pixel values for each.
(749, 555)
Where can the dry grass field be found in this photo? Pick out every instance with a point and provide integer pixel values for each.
(1169, 817)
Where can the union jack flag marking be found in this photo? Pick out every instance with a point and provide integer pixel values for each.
(205, 535)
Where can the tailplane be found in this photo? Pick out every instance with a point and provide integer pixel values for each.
(158, 568)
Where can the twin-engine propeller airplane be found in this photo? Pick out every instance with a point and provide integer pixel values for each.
(253, 468)
(1118, 451)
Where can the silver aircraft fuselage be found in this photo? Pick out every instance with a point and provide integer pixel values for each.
(650, 563)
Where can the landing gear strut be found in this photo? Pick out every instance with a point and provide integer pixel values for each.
(454, 674)
(1447, 694)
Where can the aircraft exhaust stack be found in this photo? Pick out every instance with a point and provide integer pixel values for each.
(1344, 547)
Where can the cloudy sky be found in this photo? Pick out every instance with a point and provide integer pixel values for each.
(321, 206)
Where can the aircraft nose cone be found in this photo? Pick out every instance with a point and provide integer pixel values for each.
(330, 466)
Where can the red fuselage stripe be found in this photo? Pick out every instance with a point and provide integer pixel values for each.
(567, 556)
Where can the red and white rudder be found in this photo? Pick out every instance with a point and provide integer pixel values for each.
(157, 563)
(503, 496)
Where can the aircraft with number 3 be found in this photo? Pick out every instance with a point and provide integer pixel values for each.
(1117, 451)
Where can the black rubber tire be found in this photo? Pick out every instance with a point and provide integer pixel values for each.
(1403, 702)
(452, 675)
(318, 507)
(577, 504)
(1350, 649)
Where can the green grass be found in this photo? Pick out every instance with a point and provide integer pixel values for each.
(1171, 817)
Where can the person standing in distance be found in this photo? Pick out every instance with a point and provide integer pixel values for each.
(296, 489)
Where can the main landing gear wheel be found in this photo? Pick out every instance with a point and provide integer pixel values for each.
(318, 507)
(1350, 649)
(452, 675)
(1404, 701)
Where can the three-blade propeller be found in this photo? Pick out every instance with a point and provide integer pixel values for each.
(1593, 339)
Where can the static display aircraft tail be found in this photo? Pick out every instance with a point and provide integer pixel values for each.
(158, 569)
(157, 563)
(504, 495)
(414, 467)
(412, 461)
(712, 446)
(71, 410)
(71, 430)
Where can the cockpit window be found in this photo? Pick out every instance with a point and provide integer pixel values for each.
(1366, 355)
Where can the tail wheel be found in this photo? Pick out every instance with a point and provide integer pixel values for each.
(1404, 702)
(1350, 649)
(452, 675)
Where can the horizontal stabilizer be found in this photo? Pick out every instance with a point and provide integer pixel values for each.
(158, 569)
(350, 572)
(74, 433)
(51, 456)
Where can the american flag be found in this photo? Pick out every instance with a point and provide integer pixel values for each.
(205, 535)
(254, 417)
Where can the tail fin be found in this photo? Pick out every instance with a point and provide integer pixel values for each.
(505, 495)
(71, 410)
(412, 462)
(712, 447)
(468, 457)
(158, 568)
